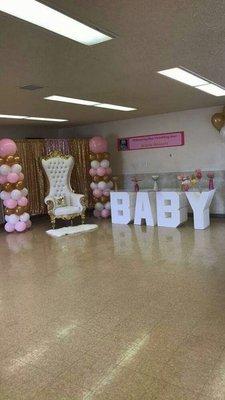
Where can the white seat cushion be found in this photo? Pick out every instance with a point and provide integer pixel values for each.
(67, 210)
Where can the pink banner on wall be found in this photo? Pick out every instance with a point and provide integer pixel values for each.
(171, 139)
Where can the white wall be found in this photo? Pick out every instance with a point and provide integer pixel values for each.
(20, 132)
(203, 147)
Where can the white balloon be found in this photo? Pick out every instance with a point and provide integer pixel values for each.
(110, 185)
(108, 205)
(102, 185)
(16, 194)
(13, 219)
(6, 218)
(24, 192)
(93, 185)
(95, 164)
(16, 168)
(5, 195)
(99, 206)
(222, 132)
(24, 217)
(104, 163)
(5, 169)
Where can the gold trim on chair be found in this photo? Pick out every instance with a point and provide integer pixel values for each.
(56, 153)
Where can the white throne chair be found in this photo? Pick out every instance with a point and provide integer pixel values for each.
(61, 200)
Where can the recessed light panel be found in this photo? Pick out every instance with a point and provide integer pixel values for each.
(212, 89)
(183, 76)
(39, 14)
(71, 100)
(114, 107)
(189, 78)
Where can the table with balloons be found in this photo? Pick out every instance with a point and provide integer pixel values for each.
(13, 192)
(101, 173)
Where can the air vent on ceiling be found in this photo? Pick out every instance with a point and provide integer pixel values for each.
(31, 87)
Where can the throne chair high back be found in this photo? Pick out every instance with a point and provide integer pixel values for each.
(61, 200)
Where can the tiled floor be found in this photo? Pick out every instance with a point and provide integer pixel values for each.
(124, 312)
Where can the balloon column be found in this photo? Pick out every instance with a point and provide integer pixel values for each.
(218, 121)
(101, 175)
(13, 193)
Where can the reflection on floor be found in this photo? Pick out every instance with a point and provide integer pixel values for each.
(125, 312)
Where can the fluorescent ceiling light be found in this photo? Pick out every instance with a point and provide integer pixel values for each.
(32, 118)
(212, 89)
(183, 76)
(71, 100)
(39, 14)
(89, 103)
(12, 116)
(115, 107)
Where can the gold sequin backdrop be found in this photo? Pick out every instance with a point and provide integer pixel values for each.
(31, 152)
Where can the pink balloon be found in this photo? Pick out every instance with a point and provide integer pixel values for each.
(12, 177)
(10, 203)
(98, 144)
(20, 226)
(97, 193)
(28, 224)
(22, 202)
(7, 147)
(101, 171)
(92, 172)
(106, 192)
(108, 171)
(21, 176)
(97, 213)
(9, 227)
(105, 213)
(3, 179)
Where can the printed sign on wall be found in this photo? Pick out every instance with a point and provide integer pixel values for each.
(171, 139)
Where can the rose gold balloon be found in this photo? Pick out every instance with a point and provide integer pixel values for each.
(8, 187)
(2, 161)
(9, 160)
(106, 178)
(20, 185)
(218, 120)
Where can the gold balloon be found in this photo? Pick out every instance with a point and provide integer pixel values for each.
(9, 211)
(8, 187)
(9, 160)
(104, 199)
(92, 156)
(106, 156)
(2, 161)
(99, 156)
(20, 185)
(17, 159)
(96, 178)
(19, 210)
(106, 178)
(218, 120)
